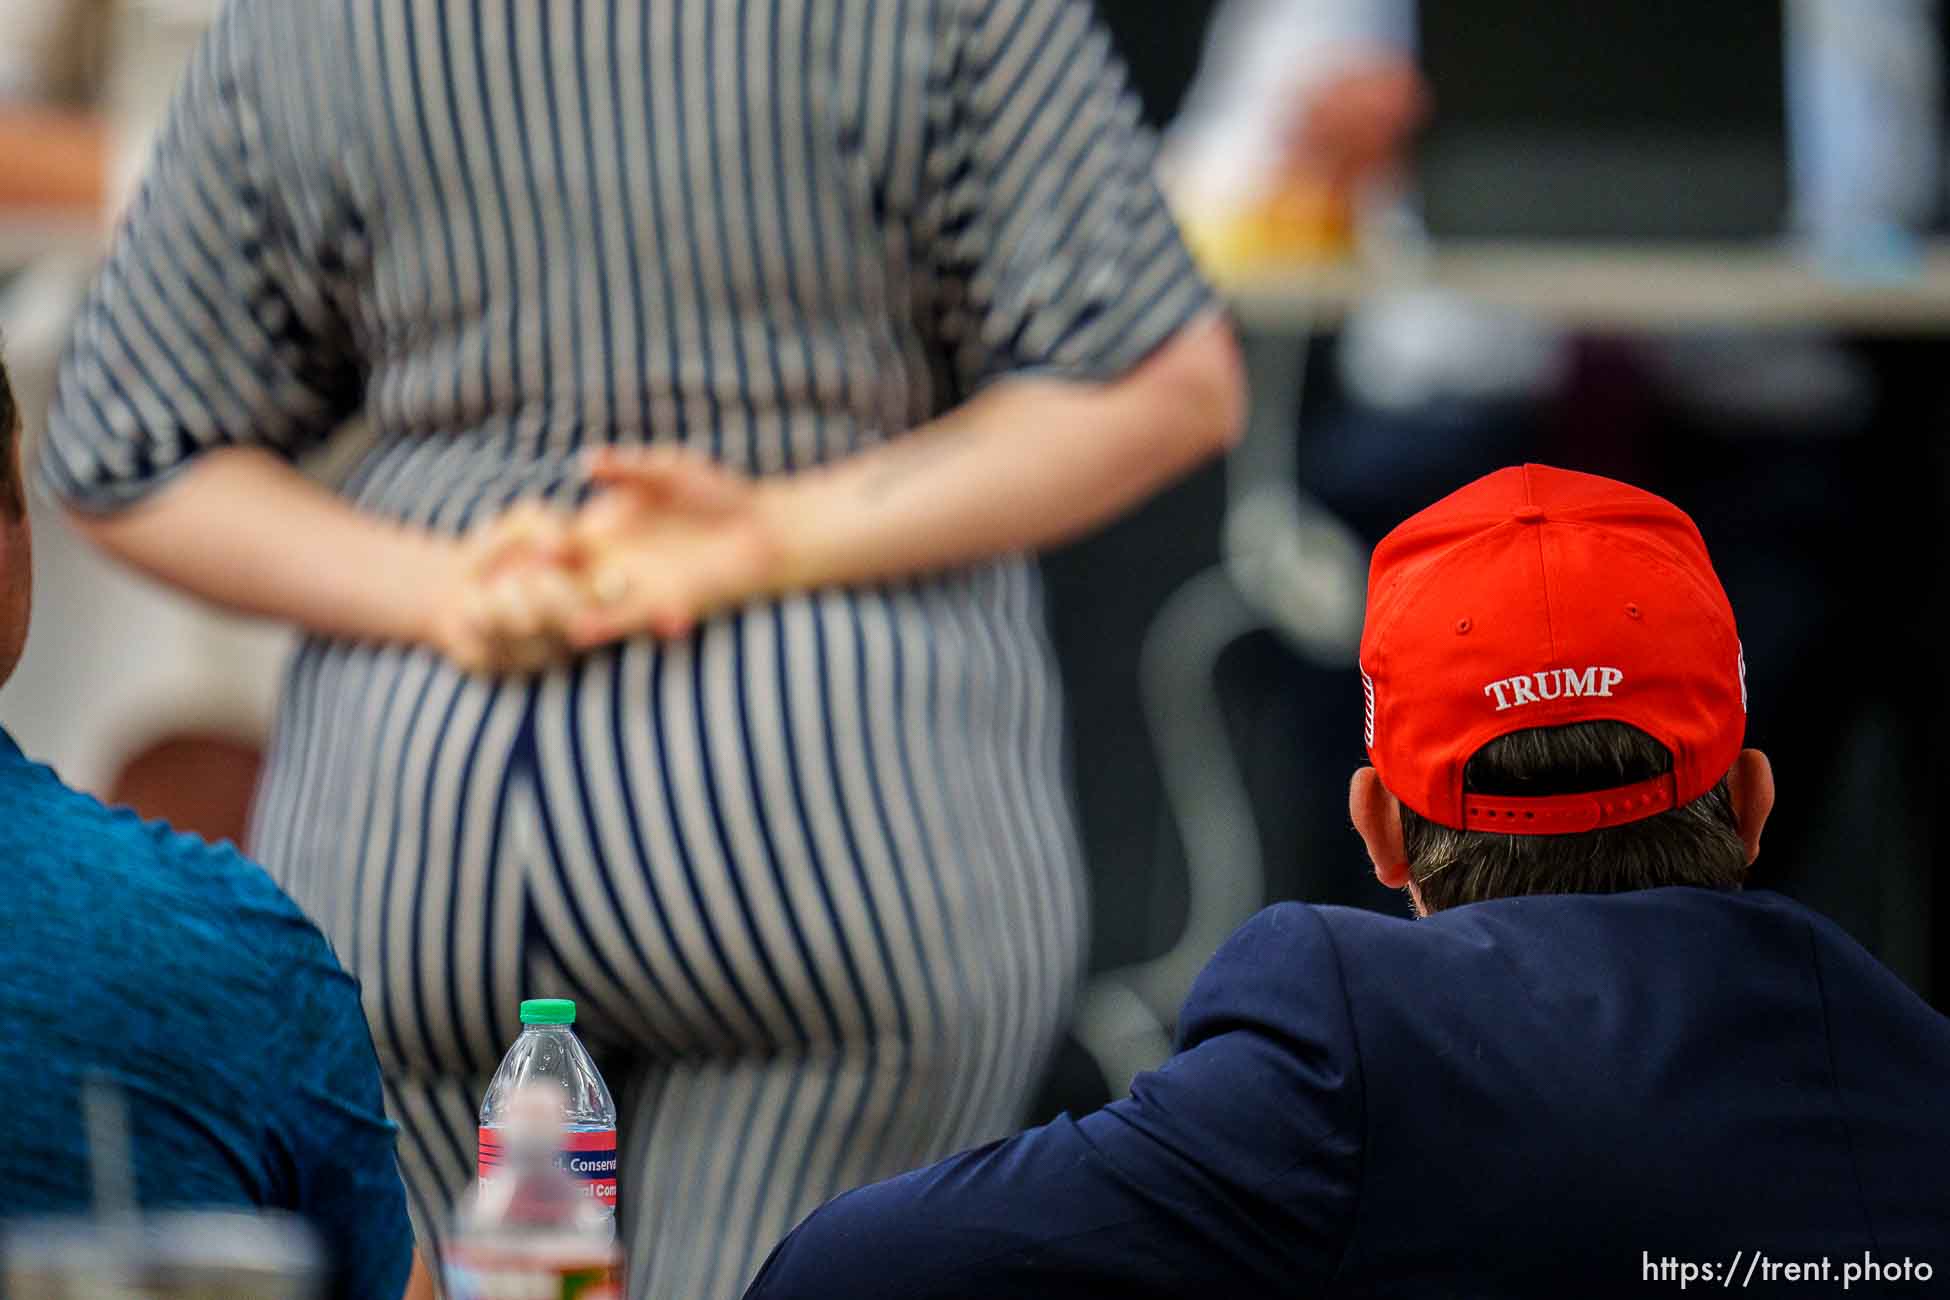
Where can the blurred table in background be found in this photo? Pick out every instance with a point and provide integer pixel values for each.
(1622, 288)
(1616, 289)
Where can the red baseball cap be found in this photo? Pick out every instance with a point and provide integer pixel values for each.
(1537, 597)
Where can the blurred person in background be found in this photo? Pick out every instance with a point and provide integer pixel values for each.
(182, 975)
(893, 294)
(1592, 1058)
(1297, 125)
(1294, 148)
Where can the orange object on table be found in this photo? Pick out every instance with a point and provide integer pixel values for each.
(53, 161)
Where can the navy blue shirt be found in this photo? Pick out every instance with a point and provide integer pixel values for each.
(1543, 1096)
(181, 973)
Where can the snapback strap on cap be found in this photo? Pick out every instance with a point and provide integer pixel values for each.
(1570, 814)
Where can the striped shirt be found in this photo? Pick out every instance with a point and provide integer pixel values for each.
(827, 831)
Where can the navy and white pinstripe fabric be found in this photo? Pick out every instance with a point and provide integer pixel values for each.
(809, 873)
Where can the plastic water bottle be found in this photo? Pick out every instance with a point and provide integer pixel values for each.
(547, 1076)
(532, 1231)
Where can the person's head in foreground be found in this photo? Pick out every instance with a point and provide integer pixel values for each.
(1597, 1065)
(16, 561)
(180, 977)
(1556, 697)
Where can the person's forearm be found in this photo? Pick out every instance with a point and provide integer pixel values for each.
(242, 529)
(1027, 464)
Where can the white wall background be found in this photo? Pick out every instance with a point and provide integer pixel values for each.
(113, 660)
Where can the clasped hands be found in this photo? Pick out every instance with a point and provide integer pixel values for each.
(670, 539)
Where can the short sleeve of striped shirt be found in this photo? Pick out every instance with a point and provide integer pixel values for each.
(207, 327)
(1061, 254)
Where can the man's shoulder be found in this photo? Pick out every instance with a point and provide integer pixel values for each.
(1280, 970)
(1315, 933)
(1521, 939)
(80, 865)
(1308, 942)
(1466, 927)
(1294, 953)
(181, 968)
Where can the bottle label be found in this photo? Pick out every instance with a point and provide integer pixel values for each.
(589, 1158)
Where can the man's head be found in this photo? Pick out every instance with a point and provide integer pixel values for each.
(1556, 698)
(16, 561)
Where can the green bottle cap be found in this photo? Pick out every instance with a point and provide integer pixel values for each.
(548, 1011)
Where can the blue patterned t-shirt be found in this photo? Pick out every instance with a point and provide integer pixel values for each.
(180, 972)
